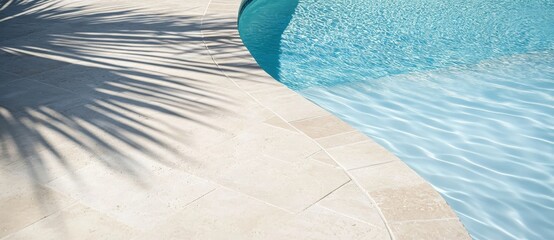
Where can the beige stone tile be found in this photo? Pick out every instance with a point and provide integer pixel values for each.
(342, 139)
(264, 95)
(323, 157)
(49, 164)
(446, 229)
(292, 186)
(248, 75)
(227, 48)
(15, 30)
(223, 12)
(76, 222)
(220, 30)
(250, 83)
(32, 133)
(262, 139)
(6, 77)
(221, 214)
(155, 131)
(388, 175)
(121, 135)
(232, 2)
(224, 7)
(351, 201)
(78, 79)
(322, 126)
(229, 53)
(25, 94)
(183, 92)
(235, 62)
(320, 223)
(147, 110)
(416, 202)
(18, 64)
(278, 122)
(361, 154)
(291, 107)
(137, 196)
(24, 203)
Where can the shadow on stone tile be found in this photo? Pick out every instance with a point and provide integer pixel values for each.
(122, 85)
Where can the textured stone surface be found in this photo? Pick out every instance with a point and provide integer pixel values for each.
(350, 201)
(361, 154)
(322, 126)
(150, 120)
(437, 229)
(76, 222)
(222, 214)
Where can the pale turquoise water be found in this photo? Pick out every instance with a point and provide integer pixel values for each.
(462, 91)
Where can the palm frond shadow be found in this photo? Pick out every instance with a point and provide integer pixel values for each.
(113, 86)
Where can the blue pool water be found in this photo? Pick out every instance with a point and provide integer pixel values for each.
(462, 91)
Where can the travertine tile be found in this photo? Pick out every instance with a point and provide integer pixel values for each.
(342, 139)
(278, 122)
(24, 203)
(232, 2)
(79, 79)
(351, 201)
(322, 126)
(361, 154)
(250, 79)
(76, 222)
(27, 94)
(15, 30)
(6, 77)
(269, 94)
(292, 186)
(224, 8)
(283, 106)
(446, 229)
(262, 139)
(221, 214)
(124, 135)
(232, 55)
(388, 175)
(254, 82)
(320, 223)
(416, 202)
(111, 135)
(48, 164)
(323, 157)
(151, 193)
(13, 64)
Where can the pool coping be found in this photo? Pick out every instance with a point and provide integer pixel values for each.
(408, 205)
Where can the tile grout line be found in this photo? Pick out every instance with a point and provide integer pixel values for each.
(389, 230)
(426, 220)
(271, 125)
(326, 195)
(198, 198)
(314, 117)
(351, 217)
(250, 196)
(349, 144)
(370, 165)
(75, 202)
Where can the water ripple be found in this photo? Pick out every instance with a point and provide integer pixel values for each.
(492, 161)
(462, 91)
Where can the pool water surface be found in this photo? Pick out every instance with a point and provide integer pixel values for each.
(462, 91)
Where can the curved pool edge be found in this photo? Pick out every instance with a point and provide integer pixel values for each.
(409, 206)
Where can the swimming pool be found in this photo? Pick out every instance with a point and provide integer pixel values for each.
(462, 91)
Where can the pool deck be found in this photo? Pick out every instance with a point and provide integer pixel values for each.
(143, 119)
